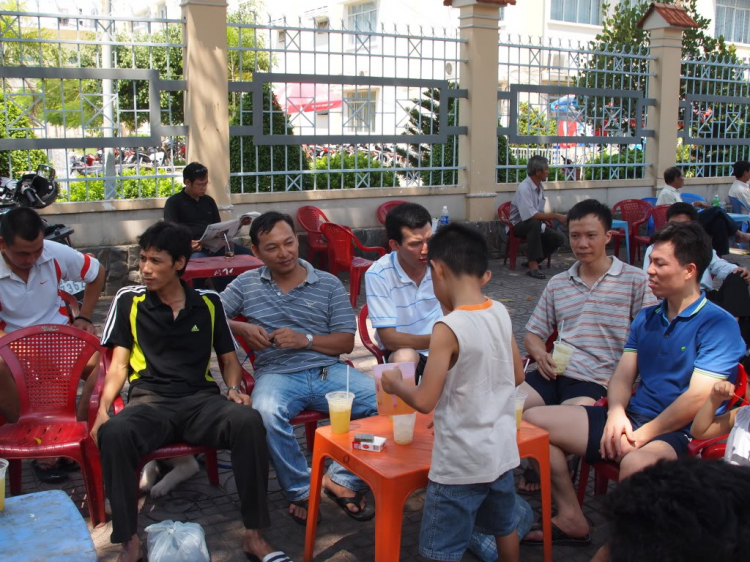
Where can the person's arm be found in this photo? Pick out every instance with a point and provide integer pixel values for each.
(232, 375)
(536, 347)
(541, 325)
(78, 267)
(91, 295)
(518, 373)
(393, 340)
(329, 344)
(527, 208)
(619, 391)
(720, 268)
(443, 353)
(706, 424)
(549, 217)
(114, 380)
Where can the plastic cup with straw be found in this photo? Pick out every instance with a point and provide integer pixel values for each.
(561, 352)
(340, 407)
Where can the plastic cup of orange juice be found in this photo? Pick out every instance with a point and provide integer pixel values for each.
(3, 468)
(340, 410)
(521, 396)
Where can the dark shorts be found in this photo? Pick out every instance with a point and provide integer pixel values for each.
(678, 440)
(420, 365)
(563, 388)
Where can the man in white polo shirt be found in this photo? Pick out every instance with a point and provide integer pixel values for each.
(30, 272)
(400, 300)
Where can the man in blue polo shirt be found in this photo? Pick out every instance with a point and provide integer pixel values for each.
(401, 302)
(299, 321)
(679, 348)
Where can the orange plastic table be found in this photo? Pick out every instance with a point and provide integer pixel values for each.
(219, 266)
(394, 474)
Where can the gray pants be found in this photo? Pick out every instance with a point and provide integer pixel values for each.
(539, 244)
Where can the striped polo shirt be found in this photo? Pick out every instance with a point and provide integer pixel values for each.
(394, 300)
(319, 306)
(597, 319)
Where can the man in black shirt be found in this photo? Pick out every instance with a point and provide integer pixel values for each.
(162, 335)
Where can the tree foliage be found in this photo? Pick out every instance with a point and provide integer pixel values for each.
(15, 125)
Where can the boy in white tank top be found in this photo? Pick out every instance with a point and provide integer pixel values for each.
(470, 379)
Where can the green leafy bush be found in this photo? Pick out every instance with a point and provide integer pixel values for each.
(126, 188)
(352, 180)
(628, 171)
(20, 160)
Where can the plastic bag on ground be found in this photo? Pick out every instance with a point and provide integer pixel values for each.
(173, 541)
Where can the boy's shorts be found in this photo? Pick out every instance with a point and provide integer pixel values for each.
(562, 388)
(452, 512)
(678, 440)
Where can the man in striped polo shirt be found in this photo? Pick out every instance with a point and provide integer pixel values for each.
(299, 321)
(596, 299)
(400, 300)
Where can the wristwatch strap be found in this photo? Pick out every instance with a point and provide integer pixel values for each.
(309, 341)
(237, 388)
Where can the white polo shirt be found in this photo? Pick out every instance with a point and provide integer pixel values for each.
(37, 301)
(394, 300)
(668, 196)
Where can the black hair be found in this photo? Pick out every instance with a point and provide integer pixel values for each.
(23, 222)
(266, 222)
(409, 215)
(194, 171)
(682, 208)
(740, 167)
(591, 207)
(462, 249)
(691, 244)
(671, 174)
(685, 510)
(170, 237)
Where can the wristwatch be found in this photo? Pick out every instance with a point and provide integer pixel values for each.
(309, 340)
(237, 388)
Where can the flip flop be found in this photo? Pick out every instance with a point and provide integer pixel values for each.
(536, 274)
(363, 515)
(559, 537)
(277, 556)
(304, 505)
(530, 477)
(573, 465)
(51, 475)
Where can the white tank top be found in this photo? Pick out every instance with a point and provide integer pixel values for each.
(738, 443)
(475, 427)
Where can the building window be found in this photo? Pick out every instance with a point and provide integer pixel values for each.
(361, 17)
(578, 11)
(360, 107)
(733, 20)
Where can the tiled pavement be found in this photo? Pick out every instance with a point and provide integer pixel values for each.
(339, 538)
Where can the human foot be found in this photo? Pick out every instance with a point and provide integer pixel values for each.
(353, 503)
(341, 492)
(131, 550)
(529, 481)
(573, 530)
(254, 544)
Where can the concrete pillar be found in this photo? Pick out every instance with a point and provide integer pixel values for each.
(206, 99)
(477, 151)
(664, 87)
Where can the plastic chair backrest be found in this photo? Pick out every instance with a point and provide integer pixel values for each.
(47, 362)
(503, 213)
(310, 218)
(659, 213)
(71, 303)
(385, 208)
(740, 387)
(340, 240)
(364, 335)
(632, 210)
(650, 200)
(691, 198)
(738, 206)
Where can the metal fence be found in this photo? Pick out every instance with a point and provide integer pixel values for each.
(714, 122)
(318, 107)
(583, 109)
(97, 97)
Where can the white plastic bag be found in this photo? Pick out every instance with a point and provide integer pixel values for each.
(171, 541)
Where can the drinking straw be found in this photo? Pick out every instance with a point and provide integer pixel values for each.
(560, 331)
(347, 380)
(227, 241)
(526, 366)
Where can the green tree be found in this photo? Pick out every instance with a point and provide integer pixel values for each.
(15, 125)
(245, 156)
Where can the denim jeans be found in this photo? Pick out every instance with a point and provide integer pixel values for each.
(485, 547)
(280, 397)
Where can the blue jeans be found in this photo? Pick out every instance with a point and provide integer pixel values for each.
(485, 546)
(281, 397)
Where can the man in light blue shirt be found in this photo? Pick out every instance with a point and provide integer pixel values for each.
(299, 321)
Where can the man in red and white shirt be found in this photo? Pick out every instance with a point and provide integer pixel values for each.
(31, 270)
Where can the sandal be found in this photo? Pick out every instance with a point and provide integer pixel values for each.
(277, 556)
(536, 274)
(559, 537)
(51, 474)
(363, 515)
(530, 477)
(304, 505)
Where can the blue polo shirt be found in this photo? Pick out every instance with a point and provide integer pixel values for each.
(703, 339)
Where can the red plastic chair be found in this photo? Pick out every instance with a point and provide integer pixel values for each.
(310, 218)
(341, 243)
(47, 362)
(364, 335)
(514, 243)
(635, 212)
(308, 418)
(608, 470)
(386, 207)
(659, 216)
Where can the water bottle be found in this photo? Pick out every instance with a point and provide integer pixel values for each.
(444, 217)
(716, 201)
